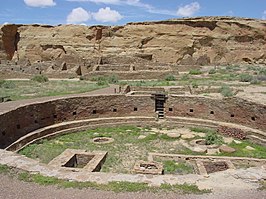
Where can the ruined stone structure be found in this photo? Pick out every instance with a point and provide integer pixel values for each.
(134, 51)
(25, 123)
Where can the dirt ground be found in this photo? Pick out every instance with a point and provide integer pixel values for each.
(11, 188)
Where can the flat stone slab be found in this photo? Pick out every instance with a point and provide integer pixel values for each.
(226, 149)
(200, 149)
(202, 135)
(187, 136)
(228, 140)
(250, 148)
(173, 135)
(213, 151)
(142, 137)
(237, 142)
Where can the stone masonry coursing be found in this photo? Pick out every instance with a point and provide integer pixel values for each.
(23, 119)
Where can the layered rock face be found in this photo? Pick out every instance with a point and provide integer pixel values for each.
(150, 46)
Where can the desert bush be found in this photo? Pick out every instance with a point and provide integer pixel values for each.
(213, 138)
(113, 79)
(245, 77)
(255, 81)
(212, 71)
(7, 84)
(101, 83)
(262, 71)
(169, 78)
(185, 77)
(195, 72)
(232, 68)
(2, 82)
(40, 78)
(226, 91)
(194, 85)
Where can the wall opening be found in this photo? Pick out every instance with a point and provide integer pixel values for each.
(74, 113)
(212, 112)
(232, 115)
(160, 99)
(55, 116)
(35, 121)
(191, 110)
(94, 112)
(79, 161)
(253, 118)
(170, 109)
(3, 133)
(135, 109)
(114, 110)
(18, 126)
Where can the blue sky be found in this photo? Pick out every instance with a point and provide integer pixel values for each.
(116, 12)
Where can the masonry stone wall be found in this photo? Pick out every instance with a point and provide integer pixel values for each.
(24, 119)
(234, 110)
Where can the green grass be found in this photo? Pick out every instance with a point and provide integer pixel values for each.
(170, 77)
(122, 153)
(111, 186)
(31, 89)
(262, 186)
(40, 78)
(185, 188)
(172, 167)
(241, 151)
(126, 148)
(213, 138)
(216, 77)
(226, 91)
(4, 169)
(115, 186)
(244, 77)
(195, 72)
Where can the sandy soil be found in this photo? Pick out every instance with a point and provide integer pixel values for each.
(11, 188)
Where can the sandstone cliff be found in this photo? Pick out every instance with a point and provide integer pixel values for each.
(66, 49)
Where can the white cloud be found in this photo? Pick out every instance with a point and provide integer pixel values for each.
(135, 3)
(78, 15)
(107, 15)
(188, 10)
(40, 3)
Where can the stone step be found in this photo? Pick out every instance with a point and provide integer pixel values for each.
(257, 139)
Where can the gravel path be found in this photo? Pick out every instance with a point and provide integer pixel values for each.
(11, 188)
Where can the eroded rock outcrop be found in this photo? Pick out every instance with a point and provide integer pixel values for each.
(194, 41)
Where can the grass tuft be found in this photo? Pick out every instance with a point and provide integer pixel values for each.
(172, 167)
